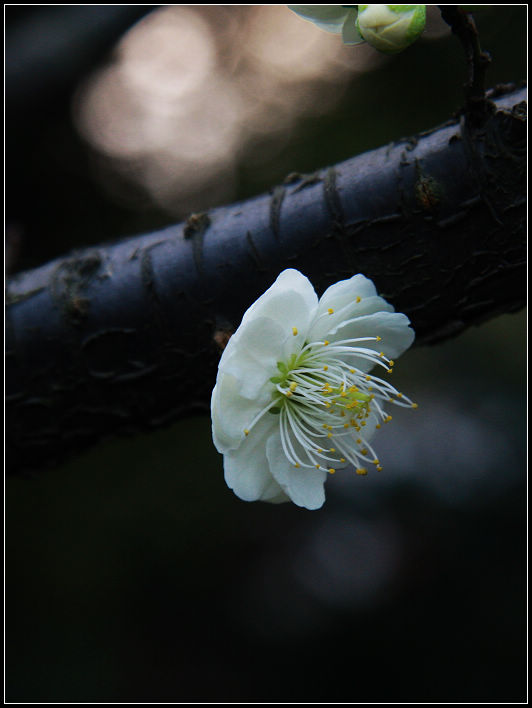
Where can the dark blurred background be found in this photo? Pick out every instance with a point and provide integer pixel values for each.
(132, 573)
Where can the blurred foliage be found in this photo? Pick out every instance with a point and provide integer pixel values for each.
(134, 574)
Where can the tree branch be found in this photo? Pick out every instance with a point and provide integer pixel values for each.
(126, 337)
(462, 24)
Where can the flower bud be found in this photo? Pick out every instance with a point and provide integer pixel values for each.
(390, 28)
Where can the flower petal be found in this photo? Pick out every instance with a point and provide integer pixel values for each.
(327, 17)
(347, 299)
(273, 494)
(246, 469)
(304, 486)
(251, 356)
(291, 302)
(350, 33)
(393, 328)
(231, 413)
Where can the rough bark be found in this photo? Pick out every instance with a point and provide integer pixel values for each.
(126, 337)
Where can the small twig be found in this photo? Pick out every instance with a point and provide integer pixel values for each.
(463, 26)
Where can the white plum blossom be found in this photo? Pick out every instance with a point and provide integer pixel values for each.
(294, 400)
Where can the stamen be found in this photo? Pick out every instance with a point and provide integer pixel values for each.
(321, 395)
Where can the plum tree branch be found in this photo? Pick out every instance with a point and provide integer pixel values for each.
(462, 24)
(126, 336)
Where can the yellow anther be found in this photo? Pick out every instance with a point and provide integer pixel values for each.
(379, 468)
(246, 431)
(293, 386)
(317, 467)
(326, 368)
(342, 459)
(359, 441)
(319, 450)
(294, 331)
(346, 425)
(332, 449)
(330, 311)
(331, 470)
(368, 378)
(326, 342)
(389, 371)
(381, 354)
(379, 339)
(375, 462)
(288, 393)
(325, 426)
(378, 425)
(364, 451)
(297, 464)
(388, 419)
(391, 362)
(362, 422)
(329, 435)
(362, 471)
(415, 405)
(399, 395)
(358, 298)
